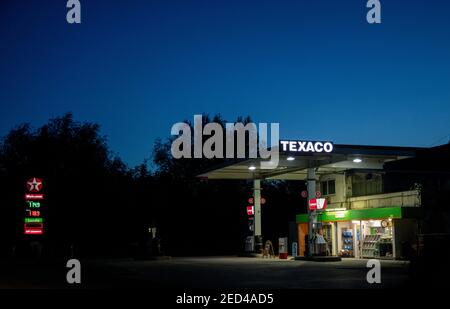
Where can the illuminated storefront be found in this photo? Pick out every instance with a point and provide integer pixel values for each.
(360, 219)
(364, 233)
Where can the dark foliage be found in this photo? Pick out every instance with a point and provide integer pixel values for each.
(97, 206)
(89, 201)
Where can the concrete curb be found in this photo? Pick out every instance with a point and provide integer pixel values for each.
(319, 258)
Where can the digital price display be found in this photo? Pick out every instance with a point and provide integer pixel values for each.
(33, 221)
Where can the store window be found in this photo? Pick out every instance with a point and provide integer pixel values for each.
(377, 239)
(366, 184)
(328, 187)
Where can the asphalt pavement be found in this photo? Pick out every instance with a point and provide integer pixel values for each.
(204, 272)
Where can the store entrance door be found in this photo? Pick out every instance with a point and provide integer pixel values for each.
(356, 227)
(328, 236)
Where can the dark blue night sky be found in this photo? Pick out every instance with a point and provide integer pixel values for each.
(316, 67)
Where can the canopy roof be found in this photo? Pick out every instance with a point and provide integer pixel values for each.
(339, 160)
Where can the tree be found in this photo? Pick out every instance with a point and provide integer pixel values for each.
(86, 187)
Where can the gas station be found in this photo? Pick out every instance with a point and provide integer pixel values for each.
(355, 217)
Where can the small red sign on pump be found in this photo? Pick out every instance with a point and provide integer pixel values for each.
(312, 204)
(317, 204)
(321, 203)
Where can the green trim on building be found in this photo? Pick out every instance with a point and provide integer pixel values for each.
(363, 214)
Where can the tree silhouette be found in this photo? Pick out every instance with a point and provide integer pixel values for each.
(96, 205)
(86, 187)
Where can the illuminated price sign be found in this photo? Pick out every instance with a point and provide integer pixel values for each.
(34, 213)
(33, 221)
(32, 204)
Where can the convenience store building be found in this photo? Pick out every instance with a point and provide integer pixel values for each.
(360, 219)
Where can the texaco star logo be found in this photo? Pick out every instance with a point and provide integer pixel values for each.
(34, 185)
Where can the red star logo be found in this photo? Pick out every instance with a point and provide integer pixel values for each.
(34, 185)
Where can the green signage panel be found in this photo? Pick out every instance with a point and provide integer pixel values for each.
(355, 214)
(33, 220)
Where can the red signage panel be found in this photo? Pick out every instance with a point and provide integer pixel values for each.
(29, 196)
(34, 184)
(317, 204)
(313, 204)
(33, 231)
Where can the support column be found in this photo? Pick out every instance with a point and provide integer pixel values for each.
(312, 216)
(394, 240)
(257, 203)
(335, 238)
